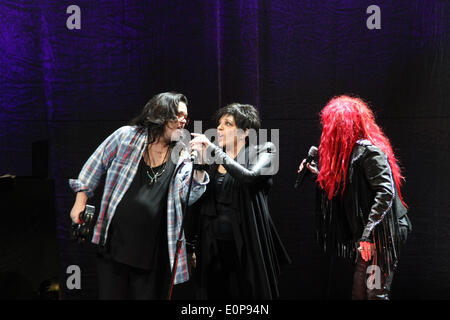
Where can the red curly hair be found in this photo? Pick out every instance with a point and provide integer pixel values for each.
(345, 120)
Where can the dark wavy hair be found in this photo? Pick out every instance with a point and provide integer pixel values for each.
(159, 110)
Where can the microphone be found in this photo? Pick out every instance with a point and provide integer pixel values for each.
(194, 155)
(183, 143)
(311, 154)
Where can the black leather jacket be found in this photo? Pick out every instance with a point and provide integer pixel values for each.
(369, 210)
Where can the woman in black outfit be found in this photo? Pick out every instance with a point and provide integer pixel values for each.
(240, 252)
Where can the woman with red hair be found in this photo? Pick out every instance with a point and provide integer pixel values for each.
(360, 213)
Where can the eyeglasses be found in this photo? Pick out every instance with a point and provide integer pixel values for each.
(180, 117)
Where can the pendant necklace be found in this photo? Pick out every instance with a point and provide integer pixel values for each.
(153, 179)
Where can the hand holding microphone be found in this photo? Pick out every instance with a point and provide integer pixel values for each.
(194, 155)
(198, 146)
(309, 164)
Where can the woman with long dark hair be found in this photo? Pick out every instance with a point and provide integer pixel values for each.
(146, 182)
(240, 252)
(360, 213)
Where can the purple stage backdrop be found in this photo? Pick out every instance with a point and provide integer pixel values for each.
(73, 87)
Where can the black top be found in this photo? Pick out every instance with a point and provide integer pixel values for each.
(222, 228)
(138, 230)
(258, 245)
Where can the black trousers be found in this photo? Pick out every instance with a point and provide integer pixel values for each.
(369, 283)
(225, 277)
(119, 281)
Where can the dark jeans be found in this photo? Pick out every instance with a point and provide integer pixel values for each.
(119, 281)
(370, 284)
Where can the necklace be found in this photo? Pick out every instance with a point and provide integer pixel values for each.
(154, 178)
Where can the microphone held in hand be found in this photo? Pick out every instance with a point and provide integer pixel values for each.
(194, 155)
(311, 154)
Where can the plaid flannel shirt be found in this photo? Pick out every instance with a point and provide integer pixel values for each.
(118, 156)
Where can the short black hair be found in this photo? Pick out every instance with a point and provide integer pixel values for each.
(246, 116)
(160, 109)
